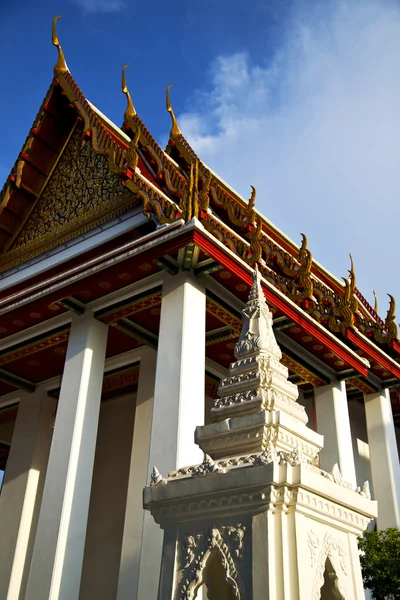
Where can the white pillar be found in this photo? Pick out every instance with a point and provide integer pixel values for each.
(56, 566)
(134, 514)
(385, 468)
(22, 489)
(333, 423)
(178, 402)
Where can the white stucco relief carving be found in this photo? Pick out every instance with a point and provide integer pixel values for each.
(259, 471)
(333, 549)
(227, 541)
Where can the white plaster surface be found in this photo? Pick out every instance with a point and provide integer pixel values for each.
(22, 490)
(131, 558)
(179, 401)
(108, 499)
(384, 455)
(360, 443)
(56, 566)
(333, 423)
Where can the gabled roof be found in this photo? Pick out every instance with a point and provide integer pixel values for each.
(172, 185)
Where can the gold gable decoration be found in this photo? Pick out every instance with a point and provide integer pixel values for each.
(81, 193)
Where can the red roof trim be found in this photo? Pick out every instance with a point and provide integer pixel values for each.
(355, 338)
(280, 303)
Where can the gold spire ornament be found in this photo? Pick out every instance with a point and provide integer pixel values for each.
(175, 131)
(60, 66)
(352, 275)
(251, 205)
(390, 321)
(344, 313)
(376, 306)
(130, 109)
(132, 156)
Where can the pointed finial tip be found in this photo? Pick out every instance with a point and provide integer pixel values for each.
(124, 86)
(130, 111)
(54, 37)
(61, 66)
(175, 131)
(256, 275)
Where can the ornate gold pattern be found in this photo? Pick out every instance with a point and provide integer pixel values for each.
(120, 379)
(131, 308)
(389, 331)
(303, 274)
(238, 215)
(6, 193)
(256, 248)
(226, 317)
(32, 347)
(344, 313)
(361, 384)
(81, 192)
(300, 370)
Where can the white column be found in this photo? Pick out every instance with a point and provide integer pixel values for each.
(385, 468)
(134, 515)
(333, 423)
(56, 566)
(178, 402)
(22, 489)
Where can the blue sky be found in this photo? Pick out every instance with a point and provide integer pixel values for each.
(300, 98)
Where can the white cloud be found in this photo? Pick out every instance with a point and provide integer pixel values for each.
(100, 6)
(316, 129)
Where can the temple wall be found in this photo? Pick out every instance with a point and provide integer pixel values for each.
(6, 432)
(308, 405)
(360, 443)
(108, 500)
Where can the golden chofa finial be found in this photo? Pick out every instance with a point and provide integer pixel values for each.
(130, 109)
(175, 131)
(252, 200)
(376, 302)
(61, 65)
(352, 274)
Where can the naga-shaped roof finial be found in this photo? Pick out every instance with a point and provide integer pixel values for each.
(132, 156)
(352, 275)
(376, 306)
(60, 66)
(390, 321)
(250, 208)
(252, 200)
(175, 131)
(130, 111)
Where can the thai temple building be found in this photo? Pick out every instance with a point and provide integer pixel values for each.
(190, 405)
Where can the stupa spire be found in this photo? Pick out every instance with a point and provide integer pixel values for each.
(257, 404)
(257, 335)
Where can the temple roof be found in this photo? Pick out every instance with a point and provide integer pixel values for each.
(172, 187)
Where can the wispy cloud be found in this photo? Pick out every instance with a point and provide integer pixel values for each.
(317, 129)
(100, 6)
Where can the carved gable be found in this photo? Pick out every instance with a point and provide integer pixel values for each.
(81, 193)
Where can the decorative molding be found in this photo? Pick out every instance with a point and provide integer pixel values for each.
(268, 456)
(156, 478)
(227, 541)
(80, 194)
(207, 467)
(334, 550)
(365, 490)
